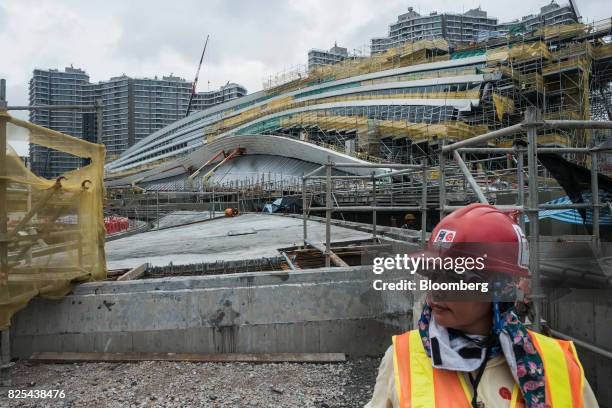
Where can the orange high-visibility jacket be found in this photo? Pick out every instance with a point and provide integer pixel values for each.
(418, 384)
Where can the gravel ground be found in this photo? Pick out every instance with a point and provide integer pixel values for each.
(182, 384)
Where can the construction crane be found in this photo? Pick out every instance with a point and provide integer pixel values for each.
(195, 81)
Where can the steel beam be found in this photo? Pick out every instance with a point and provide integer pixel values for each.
(304, 212)
(378, 165)
(424, 203)
(595, 199)
(584, 344)
(328, 213)
(531, 117)
(470, 178)
(576, 124)
(510, 130)
(374, 202)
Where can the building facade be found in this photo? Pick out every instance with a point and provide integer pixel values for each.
(457, 29)
(401, 109)
(54, 87)
(469, 27)
(551, 14)
(228, 92)
(318, 57)
(133, 108)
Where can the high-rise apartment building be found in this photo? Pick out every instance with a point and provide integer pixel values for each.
(456, 28)
(550, 14)
(464, 28)
(318, 57)
(133, 108)
(54, 87)
(204, 100)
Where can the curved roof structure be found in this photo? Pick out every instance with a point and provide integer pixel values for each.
(397, 105)
(276, 157)
(433, 93)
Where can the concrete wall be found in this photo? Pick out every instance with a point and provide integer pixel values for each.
(586, 315)
(325, 310)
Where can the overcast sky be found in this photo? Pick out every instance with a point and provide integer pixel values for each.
(249, 40)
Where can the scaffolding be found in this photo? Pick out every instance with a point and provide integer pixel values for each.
(565, 71)
(527, 198)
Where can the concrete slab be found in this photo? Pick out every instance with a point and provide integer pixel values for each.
(209, 241)
(178, 218)
(317, 310)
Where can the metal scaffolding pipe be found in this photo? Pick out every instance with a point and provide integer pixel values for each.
(584, 344)
(595, 198)
(424, 203)
(304, 210)
(483, 138)
(531, 116)
(328, 213)
(506, 150)
(365, 208)
(520, 154)
(565, 206)
(470, 178)
(442, 180)
(504, 207)
(289, 263)
(378, 165)
(315, 171)
(488, 159)
(333, 256)
(397, 173)
(374, 202)
(576, 124)
(341, 177)
(485, 150)
(563, 150)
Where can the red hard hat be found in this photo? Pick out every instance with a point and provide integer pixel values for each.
(482, 230)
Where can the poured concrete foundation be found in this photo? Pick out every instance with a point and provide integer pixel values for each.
(319, 310)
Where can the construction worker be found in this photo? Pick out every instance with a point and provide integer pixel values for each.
(478, 353)
(409, 221)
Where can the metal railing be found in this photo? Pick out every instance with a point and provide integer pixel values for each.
(402, 169)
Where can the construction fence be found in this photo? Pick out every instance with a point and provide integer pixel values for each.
(52, 231)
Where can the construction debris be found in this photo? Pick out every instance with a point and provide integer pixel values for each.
(348, 384)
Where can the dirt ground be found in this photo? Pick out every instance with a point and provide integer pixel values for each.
(184, 384)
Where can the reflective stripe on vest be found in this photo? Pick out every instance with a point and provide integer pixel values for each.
(563, 371)
(419, 385)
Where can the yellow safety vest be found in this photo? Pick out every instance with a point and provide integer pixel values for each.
(419, 385)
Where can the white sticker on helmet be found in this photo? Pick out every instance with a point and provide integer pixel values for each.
(523, 247)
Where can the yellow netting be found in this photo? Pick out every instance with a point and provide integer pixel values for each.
(503, 105)
(387, 128)
(519, 52)
(55, 227)
(410, 53)
(289, 102)
(559, 30)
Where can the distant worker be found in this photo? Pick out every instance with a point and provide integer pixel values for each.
(476, 352)
(409, 221)
(231, 212)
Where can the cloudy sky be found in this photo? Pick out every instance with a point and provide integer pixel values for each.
(249, 39)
